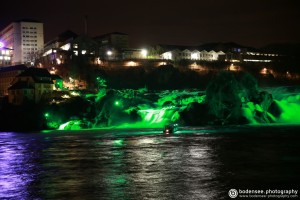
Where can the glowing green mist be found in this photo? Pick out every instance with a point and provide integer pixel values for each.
(290, 107)
(288, 110)
(71, 125)
(154, 113)
(167, 106)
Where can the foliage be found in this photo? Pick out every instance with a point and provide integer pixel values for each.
(222, 97)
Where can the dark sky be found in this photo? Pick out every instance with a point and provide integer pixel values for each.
(191, 22)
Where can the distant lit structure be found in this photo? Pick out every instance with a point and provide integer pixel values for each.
(233, 67)
(251, 56)
(266, 71)
(115, 42)
(5, 55)
(231, 53)
(197, 67)
(131, 64)
(144, 53)
(65, 50)
(67, 45)
(26, 38)
(58, 50)
(187, 54)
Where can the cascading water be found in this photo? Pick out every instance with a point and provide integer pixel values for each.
(290, 110)
(285, 107)
(288, 101)
(227, 101)
(159, 117)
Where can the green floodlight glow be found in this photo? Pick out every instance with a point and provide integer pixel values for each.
(63, 126)
(290, 109)
(59, 84)
(126, 109)
(101, 82)
(120, 179)
(164, 110)
(71, 125)
(118, 143)
(158, 117)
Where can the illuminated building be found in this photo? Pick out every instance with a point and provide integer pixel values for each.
(251, 56)
(55, 48)
(228, 52)
(5, 55)
(33, 84)
(26, 38)
(68, 44)
(115, 42)
(192, 55)
(171, 55)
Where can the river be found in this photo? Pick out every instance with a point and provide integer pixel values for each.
(194, 163)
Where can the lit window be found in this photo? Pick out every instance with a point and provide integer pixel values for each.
(83, 52)
(194, 56)
(65, 47)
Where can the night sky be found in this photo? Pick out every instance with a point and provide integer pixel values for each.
(253, 23)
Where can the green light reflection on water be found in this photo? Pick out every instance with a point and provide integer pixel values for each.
(118, 143)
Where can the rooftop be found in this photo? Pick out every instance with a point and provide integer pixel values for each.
(35, 72)
(13, 68)
(21, 85)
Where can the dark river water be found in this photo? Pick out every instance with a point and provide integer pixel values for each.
(194, 163)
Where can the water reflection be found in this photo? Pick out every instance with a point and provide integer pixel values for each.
(97, 165)
(88, 166)
(18, 170)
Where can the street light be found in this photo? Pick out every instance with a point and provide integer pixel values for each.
(109, 53)
(144, 53)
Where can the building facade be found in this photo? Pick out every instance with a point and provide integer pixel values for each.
(25, 38)
(68, 46)
(33, 84)
(187, 54)
(7, 75)
(5, 55)
(111, 45)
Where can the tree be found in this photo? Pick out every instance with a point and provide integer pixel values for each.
(155, 52)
